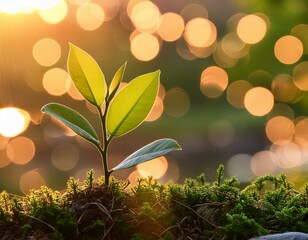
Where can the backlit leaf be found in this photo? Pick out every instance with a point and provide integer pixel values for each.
(153, 150)
(116, 81)
(87, 76)
(73, 120)
(132, 104)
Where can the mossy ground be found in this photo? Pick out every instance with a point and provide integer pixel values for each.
(194, 210)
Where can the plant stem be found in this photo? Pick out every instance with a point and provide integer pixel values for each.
(106, 140)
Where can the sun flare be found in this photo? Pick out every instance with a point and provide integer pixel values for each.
(26, 6)
(13, 121)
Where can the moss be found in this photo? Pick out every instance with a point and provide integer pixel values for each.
(196, 209)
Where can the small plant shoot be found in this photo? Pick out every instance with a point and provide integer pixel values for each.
(120, 111)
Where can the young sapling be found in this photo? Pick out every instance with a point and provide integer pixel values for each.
(120, 111)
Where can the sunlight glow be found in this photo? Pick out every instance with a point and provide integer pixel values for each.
(56, 13)
(13, 121)
(26, 6)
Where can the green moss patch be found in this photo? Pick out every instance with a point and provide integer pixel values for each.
(196, 209)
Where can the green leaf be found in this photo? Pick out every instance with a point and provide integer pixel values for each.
(132, 104)
(116, 81)
(153, 150)
(87, 76)
(73, 120)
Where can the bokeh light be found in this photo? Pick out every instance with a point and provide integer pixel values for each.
(288, 49)
(56, 81)
(260, 78)
(243, 160)
(74, 93)
(194, 10)
(221, 133)
(263, 163)
(13, 121)
(31, 180)
(259, 101)
(79, 2)
(4, 160)
(111, 8)
(281, 109)
(222, 59)
(280, 130)
(133, 176)
(156, 111)
(146, 16)
(284, 89)
(155, 168)
(65, 156)
(301, 32)
(236, 93)
(46, 52)
(287, 155)
(200, 32)
(171, 27)
(251, 29)
(301, 132)
(176, 102)
(3, 142)
(145, 46)
(300, 75)
(20, 150)
(233, 46)
(90, 16)
(55, 14)
(213, 82)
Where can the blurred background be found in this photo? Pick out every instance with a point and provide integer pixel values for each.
(233, 86)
